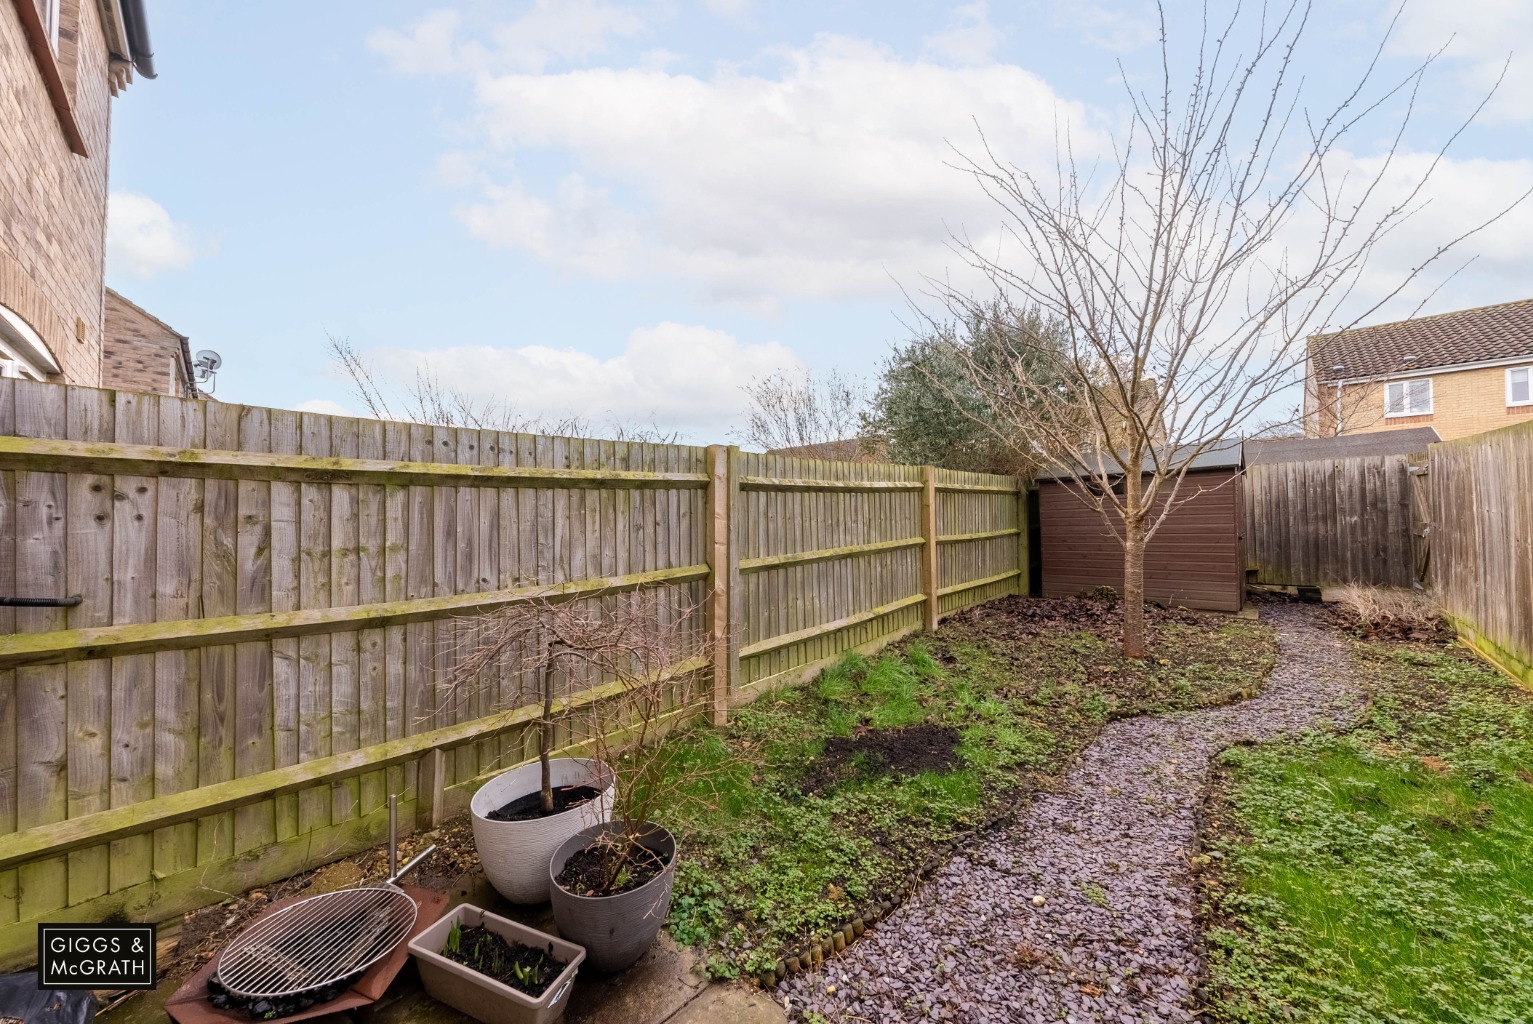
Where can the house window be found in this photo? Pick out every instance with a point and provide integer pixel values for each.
(23, 353)
(1519, 385)
(1408, 397)
(49, 10)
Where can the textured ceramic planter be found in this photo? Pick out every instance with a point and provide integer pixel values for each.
(515, 853)
(480, 996)
(615, 930)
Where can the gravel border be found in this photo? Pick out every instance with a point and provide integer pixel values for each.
(1082, 909)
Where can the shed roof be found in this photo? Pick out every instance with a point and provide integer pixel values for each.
(1483, 334)
(1304, 449)
(1223, 455)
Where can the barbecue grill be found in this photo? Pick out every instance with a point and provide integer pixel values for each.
(323, 940)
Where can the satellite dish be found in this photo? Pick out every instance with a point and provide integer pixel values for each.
(210, 359)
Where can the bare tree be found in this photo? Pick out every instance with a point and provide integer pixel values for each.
(790, 410)
(427, 400)
(1189, 270)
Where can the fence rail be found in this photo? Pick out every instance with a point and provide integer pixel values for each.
(1324, 522)
(271, 600)
(1482, 549)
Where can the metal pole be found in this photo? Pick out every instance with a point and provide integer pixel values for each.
(393, 836)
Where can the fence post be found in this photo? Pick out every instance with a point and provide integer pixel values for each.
(1024, 570)
(723, 572)
(431, 789)
(929, 549)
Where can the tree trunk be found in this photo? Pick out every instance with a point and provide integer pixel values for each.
(1133, 589)
(546, 740)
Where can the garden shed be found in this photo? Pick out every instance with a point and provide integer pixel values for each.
(1196, 559)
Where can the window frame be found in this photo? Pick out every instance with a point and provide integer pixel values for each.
(1405, 391)
(23, 350)
(52, 13)
(1510, 403)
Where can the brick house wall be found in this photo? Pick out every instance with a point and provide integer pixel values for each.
(52, 200)
(140, 352)
(1464, 402)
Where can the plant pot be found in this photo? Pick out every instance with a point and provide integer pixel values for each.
(515, 853)
(480, 996)
(615, 930)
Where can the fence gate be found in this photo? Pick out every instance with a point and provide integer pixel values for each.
(1325, 522)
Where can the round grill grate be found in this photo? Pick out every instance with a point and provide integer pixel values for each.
(316, 942)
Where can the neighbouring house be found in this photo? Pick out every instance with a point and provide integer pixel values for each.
(140, 352)
(1196, 558)
(61, 62)
(1460, 373)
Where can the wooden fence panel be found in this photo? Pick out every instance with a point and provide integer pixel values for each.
(272, 601)
(1325, 522)
(1482, 542)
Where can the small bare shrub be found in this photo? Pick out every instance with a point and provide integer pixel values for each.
(1392, 612)
(646, 654)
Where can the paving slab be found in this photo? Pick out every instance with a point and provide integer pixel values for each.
(664, 980)
(735, 1004)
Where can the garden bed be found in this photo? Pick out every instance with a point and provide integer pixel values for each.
(831, 799)
(1382, 874)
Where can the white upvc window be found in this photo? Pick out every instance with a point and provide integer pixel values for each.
(23, 353)
(49, 10)
(1408, 397)
(1519, 385)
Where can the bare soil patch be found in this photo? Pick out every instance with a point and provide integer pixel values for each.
(907, 751)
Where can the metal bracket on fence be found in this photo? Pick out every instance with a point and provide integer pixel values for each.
(41, 602)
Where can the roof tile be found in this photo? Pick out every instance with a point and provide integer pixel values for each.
(1448, 339)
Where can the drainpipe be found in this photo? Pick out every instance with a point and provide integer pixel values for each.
(136, 26)
(1338, 408)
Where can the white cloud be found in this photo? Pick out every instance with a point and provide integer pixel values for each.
(324, 405)
(142, 240)
(547, 32)
(1481, 35)
(678, 376)
(1459, 195)
(969, 39)
(821, 181)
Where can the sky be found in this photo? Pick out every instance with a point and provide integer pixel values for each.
(627, 211)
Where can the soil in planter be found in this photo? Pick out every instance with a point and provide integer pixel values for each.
(530, 807)
(907, 751)
(586, 870)
(525, 968)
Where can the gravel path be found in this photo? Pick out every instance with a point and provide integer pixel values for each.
(1112, 938)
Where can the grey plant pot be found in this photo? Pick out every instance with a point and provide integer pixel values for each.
(480, 996)
(515, 854)
(615, 930)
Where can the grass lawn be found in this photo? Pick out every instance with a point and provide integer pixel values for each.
(815, 818)
(1384, 875)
